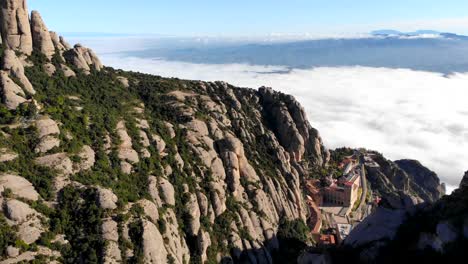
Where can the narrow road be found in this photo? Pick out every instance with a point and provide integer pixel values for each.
(363, 204)
(362, 200)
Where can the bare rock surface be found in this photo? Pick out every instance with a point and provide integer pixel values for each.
(110, 230)
(383, 224)
(176, 246)
(126, 151)
(59, 161)
(41, 36)
(27, 220)
(124, 81)
(56, 40)
(18, 211)
(83, 58)
(12, 252)
(14, 66)
(50, 69)
(13, 95)
(15, 28)
(47, 143)
(46, 126)
(150, 209)
(29, 256)
(87, 159)
(167, 191)
(67, 71)
(107, 199)
(19, 186)
(153, 244)
(7, 155)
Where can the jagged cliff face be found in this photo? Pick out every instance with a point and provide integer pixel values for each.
(16, 32)
(101, 165)
(402, 184)
(433, 233)
(98, 165)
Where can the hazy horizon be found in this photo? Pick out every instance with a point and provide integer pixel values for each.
(403, 113)
(400, 96)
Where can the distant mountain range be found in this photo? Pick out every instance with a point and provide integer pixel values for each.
(425, 50)
(417, 34)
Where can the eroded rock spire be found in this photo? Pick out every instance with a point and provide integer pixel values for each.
(41, 35)
(15, 28)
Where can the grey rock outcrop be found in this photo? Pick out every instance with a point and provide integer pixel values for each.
(193, 210)
(41, 36)
(110, 234)
(27, 220)
(19, 186)
(83, 58)
(59, 161)
(150, 209)
(126, 151)
(107, 199)
(293, 129)
(204, 241)
(48, 132)
(46, 126)
(124, 81)
(18, 211)
(426, 182)
(58, 41)
(154, 250)
(13, 95)
(383, 224)
(15, 28)
(50, 69)
(402, 184)
(7, 155)
(167, 193)
(13, 65)
(12, 252)
(87, 159)
(47, 143)
(67, 71)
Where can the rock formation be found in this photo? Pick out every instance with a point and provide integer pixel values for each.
(13, 95)
(15, 28)
(425, 181)
(83, 58)
(19, 186)
(427, 230)
(155, 170)
(14, 66)
(107, 199)
(404, 183)
(41, 36)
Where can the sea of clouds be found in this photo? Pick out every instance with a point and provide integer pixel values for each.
(402, 113)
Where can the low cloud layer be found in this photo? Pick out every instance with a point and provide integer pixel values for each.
(401, 113)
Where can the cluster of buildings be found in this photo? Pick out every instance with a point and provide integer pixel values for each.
(342, 191)
(330, 192)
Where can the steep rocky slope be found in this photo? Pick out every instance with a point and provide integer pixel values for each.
(432, 233)
(401, 184)
(99, 165)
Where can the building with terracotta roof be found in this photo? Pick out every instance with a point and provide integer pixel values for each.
(326, 240)
(342, 192)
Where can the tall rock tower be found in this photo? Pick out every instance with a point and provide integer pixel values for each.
(15, 28)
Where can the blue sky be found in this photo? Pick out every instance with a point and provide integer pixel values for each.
(250, 17)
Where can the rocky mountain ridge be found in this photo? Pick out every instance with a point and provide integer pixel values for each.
(99, 165)
(402, 183)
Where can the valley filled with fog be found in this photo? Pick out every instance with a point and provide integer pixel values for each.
(413, 109)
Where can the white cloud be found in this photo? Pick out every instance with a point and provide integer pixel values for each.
(401, 113)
